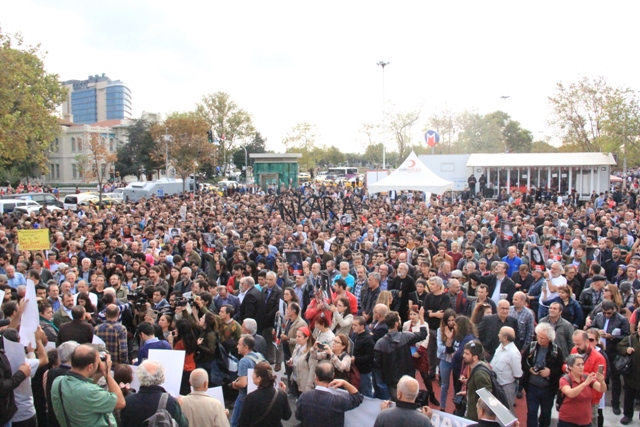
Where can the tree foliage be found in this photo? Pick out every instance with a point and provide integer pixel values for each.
(445, 122)
(302, 136)
(229, 122)
(257, 145)
(96, 160)
(188, 147)
(29, 97)
(137, 156)
(401, 125)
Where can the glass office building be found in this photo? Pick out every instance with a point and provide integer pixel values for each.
(97, 99)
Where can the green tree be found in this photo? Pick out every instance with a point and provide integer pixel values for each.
(229, 122)
(138, 154)
(257, 145)
(479, 134)
(302, 136)
(590, 115)
(373, 155)
(445, 122)
(29, 98)
(401, 125)
(188, 146)
(334, 156)
(543, 147)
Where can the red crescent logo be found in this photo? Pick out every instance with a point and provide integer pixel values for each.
(412, 164)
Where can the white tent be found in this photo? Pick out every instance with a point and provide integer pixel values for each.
(412, 175)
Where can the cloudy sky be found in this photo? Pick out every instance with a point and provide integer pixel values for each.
(292, 62)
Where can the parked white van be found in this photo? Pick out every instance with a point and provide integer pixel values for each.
(72, 201)
(9, 205)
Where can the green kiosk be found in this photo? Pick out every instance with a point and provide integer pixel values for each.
(275, 168)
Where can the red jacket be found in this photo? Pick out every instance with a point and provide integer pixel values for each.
(353, 302)
(591, 362)
(312, 311)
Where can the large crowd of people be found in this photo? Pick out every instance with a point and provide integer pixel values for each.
(525, 296)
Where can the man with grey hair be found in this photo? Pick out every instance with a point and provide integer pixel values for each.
(251, 304)
(249, 326)
(562, 328)
(65, 350)
(271, 296)
(370, 296)
(144, 403)
(404, 413)
(199, 408)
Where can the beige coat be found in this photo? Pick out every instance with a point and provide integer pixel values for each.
(305, 368)
(203, 411)
(297, 324)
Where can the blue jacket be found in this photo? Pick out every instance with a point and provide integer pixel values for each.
(514, 264)
(153, 343)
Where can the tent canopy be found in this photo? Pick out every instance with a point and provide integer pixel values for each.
(412, 175)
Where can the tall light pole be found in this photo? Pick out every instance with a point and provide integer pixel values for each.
(166, 151)
(384, 135)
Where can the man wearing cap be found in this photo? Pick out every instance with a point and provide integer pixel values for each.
(594, 295)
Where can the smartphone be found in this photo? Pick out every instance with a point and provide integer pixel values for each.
(601, 369)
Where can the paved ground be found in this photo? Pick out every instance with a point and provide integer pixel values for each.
(610, 420)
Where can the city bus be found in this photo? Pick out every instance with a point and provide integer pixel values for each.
(343, 172)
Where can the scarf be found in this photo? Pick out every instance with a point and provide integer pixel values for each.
(42, 319)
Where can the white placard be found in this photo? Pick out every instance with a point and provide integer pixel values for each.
(216, 393)
(283, 308)
(251, 387)
(15, 353)
(50, 346)
(1, 296)
(98, 341)
(173, 362)
(30, 318)
(135, 382)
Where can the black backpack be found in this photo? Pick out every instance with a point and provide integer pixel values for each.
(496, 388)
(560, 396)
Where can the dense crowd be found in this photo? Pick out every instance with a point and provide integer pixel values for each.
(524, 296)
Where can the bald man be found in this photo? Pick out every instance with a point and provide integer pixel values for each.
(200, 409)
(491, 325)
(404, 413)
(507, 363)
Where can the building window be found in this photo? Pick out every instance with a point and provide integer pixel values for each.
(73, 145)
(74, 171)
(57, 171)
(56, 145)
(111, 145)
(79, 146)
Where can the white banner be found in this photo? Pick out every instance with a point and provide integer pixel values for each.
(365, 416)
(173, 362)
(30, 318)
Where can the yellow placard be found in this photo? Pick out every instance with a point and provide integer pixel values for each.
(34, 240)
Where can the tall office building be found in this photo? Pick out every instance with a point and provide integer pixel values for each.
(96, 99)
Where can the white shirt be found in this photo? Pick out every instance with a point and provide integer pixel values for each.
(558, 282)
(507, 363)
(24, 402)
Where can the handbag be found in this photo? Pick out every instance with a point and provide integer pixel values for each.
(623, 363)
(354, 376)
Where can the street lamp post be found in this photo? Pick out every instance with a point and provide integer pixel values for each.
(384, 136)
(246, 164)
(166, 151)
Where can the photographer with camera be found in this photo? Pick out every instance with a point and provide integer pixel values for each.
(542, 367)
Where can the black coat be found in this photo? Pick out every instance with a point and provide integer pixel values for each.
(252, 307)
(76, 330)
(271, 304)
(507, 286)
(488, 331)
(8, 383)
(363, 352)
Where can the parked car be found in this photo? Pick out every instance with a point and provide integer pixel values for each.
(46, 199)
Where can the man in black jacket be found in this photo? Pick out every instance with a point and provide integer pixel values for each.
(77, 330)
(363, 354)
(392, 354)
(490, 326)
(252, 305)
(499, 276)
(65, 350)
(271, 296)
(542, 368)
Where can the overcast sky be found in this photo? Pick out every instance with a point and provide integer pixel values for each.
(292, 62)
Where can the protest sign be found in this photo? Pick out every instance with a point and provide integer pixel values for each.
(30, 317)
(34, 240)
(173, 362)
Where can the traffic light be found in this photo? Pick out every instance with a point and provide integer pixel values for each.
(210, 136)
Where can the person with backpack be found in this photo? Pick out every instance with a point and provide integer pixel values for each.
(542, 367)
(576, 389)
(152, 405)
(479, 376)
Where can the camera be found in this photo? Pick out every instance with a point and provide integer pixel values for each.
(138, 298)
(182, 302)
(103, 356)
(537, 368)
